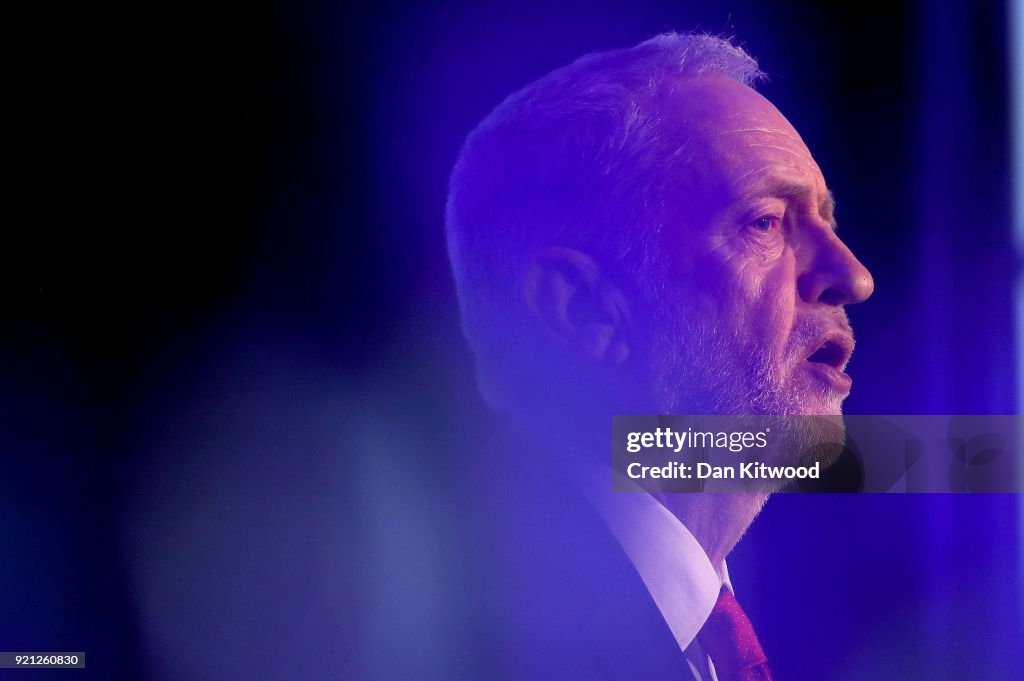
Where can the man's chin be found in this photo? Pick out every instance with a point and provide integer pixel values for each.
(826, 406)
(819, 390)
(811, 428)
(814, 439)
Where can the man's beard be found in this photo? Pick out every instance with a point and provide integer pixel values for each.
(701, 367)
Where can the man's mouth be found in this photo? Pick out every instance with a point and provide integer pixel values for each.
(829, 359)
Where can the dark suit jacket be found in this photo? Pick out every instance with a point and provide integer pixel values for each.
(557, 597)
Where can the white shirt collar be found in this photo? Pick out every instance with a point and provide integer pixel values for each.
(672, 564)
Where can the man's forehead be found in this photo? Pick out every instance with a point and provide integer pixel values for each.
(724, 111)
(720, 98)
(730, 129)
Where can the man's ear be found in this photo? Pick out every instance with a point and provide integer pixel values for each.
(576, 303)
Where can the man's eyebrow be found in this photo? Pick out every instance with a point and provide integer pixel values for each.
(827, 209)
(786, 189)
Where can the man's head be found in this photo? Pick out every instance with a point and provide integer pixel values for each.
(641, 231)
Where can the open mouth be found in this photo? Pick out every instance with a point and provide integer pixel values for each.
(832, 352)
(829, 359)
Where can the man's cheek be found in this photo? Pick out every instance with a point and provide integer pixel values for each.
(776, 301)
(758, 305)
(750, 294)
(775, 322)
(727, 283)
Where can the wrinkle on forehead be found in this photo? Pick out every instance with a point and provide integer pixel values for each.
(736, 134)
(803, 153)
(797, 173)
(732, 107)
(782, 139)
(774, 136)
(758, 129)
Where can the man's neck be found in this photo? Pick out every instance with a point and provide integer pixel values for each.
(716, 521)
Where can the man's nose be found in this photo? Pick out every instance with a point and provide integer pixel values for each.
(832, 275)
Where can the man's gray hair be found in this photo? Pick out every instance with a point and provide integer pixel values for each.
(579, 158)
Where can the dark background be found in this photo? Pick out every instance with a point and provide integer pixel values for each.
(230, 341)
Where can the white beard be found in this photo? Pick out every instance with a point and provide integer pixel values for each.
(700, 368)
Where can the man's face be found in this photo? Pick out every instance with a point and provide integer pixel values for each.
(754, 320)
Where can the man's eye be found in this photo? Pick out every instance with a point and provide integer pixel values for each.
(766, 223)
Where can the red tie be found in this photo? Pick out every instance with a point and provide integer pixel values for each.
(730, 642)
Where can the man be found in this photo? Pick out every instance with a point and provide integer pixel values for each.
(639, 232)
